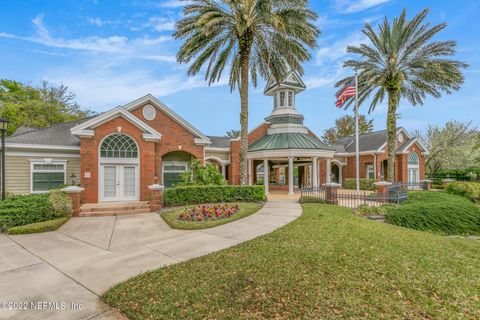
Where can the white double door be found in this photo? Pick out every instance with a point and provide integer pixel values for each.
(118, 182)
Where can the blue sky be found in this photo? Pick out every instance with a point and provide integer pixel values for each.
(111, 52)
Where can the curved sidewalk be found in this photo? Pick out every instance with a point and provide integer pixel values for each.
(86, 256)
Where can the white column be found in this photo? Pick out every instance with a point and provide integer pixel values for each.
(290, 175)
(250, 172)
(329, 170)
(223, 171)
(315, 172)
(340, 175)
(265, 175)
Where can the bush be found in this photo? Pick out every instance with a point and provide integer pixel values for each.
(365, 184)
(23, 210)
(469, 190)
(438, 212)
(49, 225)
(199, 175)
(210, 194)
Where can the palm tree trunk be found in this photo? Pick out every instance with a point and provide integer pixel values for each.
(393, 97)
(244, 62)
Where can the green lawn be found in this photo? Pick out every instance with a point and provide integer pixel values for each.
(44, 226)
(171, 216)
(327, 264)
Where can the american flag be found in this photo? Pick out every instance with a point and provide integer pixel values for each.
(347, 92)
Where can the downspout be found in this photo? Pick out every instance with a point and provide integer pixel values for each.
(375, 165)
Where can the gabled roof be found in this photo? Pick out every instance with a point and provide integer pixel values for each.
(375, 141)
(201, 138)
(58, 135)
(280, 141)
(219, 142)
(291, 80)
(85, 129)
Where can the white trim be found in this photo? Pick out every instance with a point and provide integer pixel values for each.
(214, 149)
(220, 161)
(415, 140)
(84, 131)
(46, 161)
(136, 103)
(41, 154)
(351, 154)
(40, 146)
(290, 153)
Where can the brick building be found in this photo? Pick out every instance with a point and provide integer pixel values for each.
(116, 155)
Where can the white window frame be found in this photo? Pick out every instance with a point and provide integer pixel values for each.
(283, 105)
(369, 168)
(33, 162)
(290, 98)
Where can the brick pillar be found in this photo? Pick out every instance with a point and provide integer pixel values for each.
(426, 184)
(331, 190)
(74, 193)
(156, 198)
(382, 188)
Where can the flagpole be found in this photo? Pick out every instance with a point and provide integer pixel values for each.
(357, 154)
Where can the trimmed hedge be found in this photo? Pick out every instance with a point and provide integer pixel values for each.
(437, 212)
(365, 184)
(469, 190)
(23, 210)
(210, 194)
(49, 225)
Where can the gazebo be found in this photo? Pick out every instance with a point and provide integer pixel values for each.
(289, 148)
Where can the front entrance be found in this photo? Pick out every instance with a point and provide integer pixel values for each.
(119, 182)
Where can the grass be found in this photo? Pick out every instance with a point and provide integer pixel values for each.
(170, 217)
(437, 212)
(49, 225)
(327, 264)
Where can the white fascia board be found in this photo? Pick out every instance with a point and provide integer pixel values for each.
(221, 150)
(363, 153)
(163, 107)
(81, 130)
(416, 140)
(266, 154)
(39, 146)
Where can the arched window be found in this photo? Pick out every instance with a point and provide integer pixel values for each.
(413, 159)
(118, 146)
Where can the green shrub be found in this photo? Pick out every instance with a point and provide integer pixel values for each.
(366, 210)
(469, 190)
(438, 212)
(23, 210)
(49, 225)
(365, 184)
(210, 194)
(199, 175)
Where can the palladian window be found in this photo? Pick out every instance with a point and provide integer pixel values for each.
(118, 146)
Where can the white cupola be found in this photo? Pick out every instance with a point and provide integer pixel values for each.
(284, 116)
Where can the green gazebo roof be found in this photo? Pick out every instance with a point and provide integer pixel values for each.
(280, 141)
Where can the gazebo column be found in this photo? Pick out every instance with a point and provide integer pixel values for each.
(329, 170)
(290, 175)
(223, 170)
(265, 175)
(315, 172)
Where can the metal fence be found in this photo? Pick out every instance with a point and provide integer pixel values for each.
(396, 194)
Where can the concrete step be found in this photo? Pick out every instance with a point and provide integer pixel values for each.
(114, 208)
(113, 212)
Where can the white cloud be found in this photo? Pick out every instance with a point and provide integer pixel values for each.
(350, 6)
(158, 24)
(96, 21)
(173, 3)
(336, 51)
(100, 86)
(139, 48)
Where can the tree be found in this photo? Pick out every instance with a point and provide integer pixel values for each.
(345, 126)
(401, 61)
(252, 38)
(233, 134)
(24, 105)
(454, 146)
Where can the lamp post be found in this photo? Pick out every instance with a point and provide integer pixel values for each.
(3, 130)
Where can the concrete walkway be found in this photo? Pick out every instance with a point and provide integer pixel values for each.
(74, 265)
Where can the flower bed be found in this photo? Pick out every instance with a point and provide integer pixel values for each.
(209, 212)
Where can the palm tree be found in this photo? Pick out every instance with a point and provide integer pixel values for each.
(233, 134)
(401, 61)
(251, 38)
